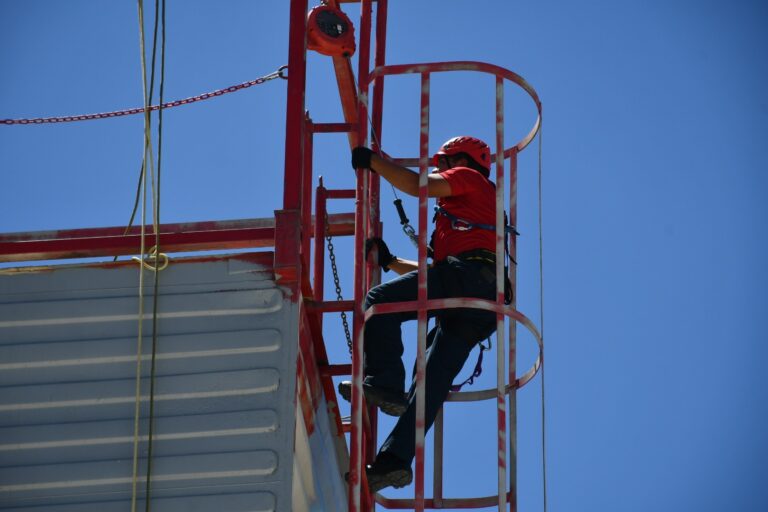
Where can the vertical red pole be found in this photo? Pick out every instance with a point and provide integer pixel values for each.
(361, 207)
(500, 255)
(318, 283)
(288, 220)
(377, 113)
(306, 190)
(513, 335)
(422, 297)
(374, 186)
(437, 472)
(294, 129)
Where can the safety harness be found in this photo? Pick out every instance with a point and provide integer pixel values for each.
(467, 225)
(460, 224)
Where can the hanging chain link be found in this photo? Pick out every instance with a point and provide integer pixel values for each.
(336, 282)
(280, 73)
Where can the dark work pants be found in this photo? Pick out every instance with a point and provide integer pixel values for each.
(452, 339)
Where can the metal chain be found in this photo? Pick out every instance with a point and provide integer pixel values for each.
(118, 113)
(336, 282)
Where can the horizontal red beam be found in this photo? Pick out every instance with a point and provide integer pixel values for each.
(182, 237)
(332, 306)
(486, 501)
(340, 193)
(334, 127)
(335, 370)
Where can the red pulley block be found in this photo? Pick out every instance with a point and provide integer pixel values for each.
(330, 32)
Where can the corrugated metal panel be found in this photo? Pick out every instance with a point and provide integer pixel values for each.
(224, 388)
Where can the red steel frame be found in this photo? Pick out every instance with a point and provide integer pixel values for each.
(422, 304)
(292, 250)
(180, 237)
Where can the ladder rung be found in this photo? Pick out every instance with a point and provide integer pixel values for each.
(331, 306)
(334, 127)
(333, 370)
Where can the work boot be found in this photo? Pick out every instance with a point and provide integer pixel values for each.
(388, 470)
(390, 402)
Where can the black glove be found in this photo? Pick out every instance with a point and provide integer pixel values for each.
(361, 157)
(385, 257)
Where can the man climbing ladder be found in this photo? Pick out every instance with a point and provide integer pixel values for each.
(464, 266)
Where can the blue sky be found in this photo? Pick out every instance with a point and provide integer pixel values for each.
(655, 190)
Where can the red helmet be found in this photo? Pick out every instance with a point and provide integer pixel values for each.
(475, 148)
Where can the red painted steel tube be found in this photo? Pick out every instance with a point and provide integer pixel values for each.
(422, 295)
(500, 255)
(377, 112)
(436, 67)
(294, 120)
(331, 306)
(287, 245)
(448, 503)
(434, 304)
(340, 194)
(356, 437)
(512, 342)
(437, 477)
(318, 281)
(288, 232)
(373, 275)
(306, 191)
(334, 370)
(458, 302)
(36, 250)
(179, 237)
(334, 127)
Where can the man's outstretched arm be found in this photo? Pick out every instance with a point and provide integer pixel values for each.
(400, 177)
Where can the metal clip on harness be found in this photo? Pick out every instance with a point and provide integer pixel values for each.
(407, 228)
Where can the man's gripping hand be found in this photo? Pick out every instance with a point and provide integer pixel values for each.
(361, 157)
(385, 257)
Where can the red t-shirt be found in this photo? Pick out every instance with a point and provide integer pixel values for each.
(473, 198)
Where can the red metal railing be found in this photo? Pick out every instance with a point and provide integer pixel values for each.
(354, 103)
(180, 237)
(421, 305)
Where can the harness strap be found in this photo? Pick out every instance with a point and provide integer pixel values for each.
(455, 388)
(460, 224)
(466, 225)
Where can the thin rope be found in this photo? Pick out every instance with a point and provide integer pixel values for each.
(409, 230)
(137, 405)
(156, 208)
(541, 322)
(280, 73)
(137, 198)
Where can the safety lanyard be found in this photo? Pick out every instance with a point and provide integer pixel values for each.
(466, 225)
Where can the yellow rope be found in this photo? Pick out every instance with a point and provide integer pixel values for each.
(155, 257)
(147, 144)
